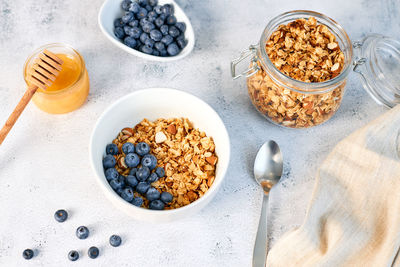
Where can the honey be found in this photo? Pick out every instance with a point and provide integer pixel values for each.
(68, 75)
(71, 87)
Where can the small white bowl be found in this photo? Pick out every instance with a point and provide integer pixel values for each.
(153, 104)
(111, 10)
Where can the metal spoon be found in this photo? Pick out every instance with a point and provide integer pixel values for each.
(268, 167)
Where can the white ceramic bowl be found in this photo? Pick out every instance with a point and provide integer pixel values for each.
(111, 10)
(153, 104)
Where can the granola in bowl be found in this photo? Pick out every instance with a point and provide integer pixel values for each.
(186, 154)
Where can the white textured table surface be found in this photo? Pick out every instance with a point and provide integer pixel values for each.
(44, 162)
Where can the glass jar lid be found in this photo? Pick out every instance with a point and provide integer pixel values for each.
(378, 63)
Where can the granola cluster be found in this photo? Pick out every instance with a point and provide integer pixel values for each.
(306, 51)
(187, 155)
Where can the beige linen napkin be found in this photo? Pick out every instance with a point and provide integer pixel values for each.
(354, 215)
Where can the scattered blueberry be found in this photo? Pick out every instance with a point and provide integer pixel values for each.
(152, 194)
(128, 148)
(173, 49)
(127, 194)
(93, 252)
(160, 172)
(166, 197)
(111, 174)
(142, 173)
(173, 31)
(27, 254)
(156, 205)
(128, 17)
(109, 162)
(119, 32)
(131, 180)
(171, 20)
(61, 215)
(111, 149)
(152, 178)
(167, 40)
(73, 255)
(134, 7)
(149, 161)
(132, 160)
(156, 35)
(142, 187)
(137, 201)
(82, 232)
(142, 148)
(117, 183)
(164, 29)
(115, 240)
(181, 26)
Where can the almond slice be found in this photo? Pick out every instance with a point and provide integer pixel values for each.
(127, 131)
(171, 129)
(212, 160)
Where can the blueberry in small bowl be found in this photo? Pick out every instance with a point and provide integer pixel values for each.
(123, 22)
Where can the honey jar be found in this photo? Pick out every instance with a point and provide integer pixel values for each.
(71, 87)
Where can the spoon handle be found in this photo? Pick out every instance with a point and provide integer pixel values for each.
(260, 246)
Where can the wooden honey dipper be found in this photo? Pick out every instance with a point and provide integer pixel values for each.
(41, 74)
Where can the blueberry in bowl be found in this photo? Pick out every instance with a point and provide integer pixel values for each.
(124, 22)
(141, 172)
(150, 19)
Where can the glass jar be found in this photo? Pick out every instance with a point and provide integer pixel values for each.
(72, 86)
(297, 104)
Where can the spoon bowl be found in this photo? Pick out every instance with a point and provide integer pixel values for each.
(268, 168)
(268, 165)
